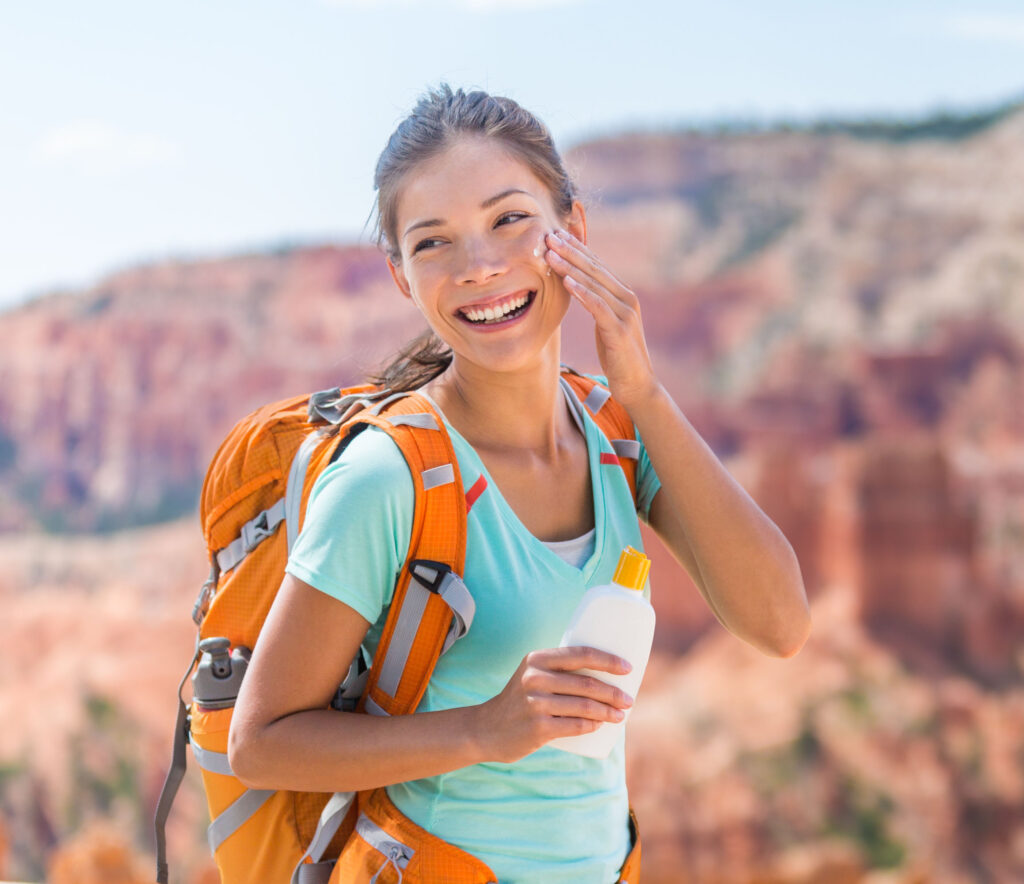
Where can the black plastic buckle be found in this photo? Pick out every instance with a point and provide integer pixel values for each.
(429, 574)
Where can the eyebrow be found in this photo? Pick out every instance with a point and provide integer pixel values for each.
(486, 204)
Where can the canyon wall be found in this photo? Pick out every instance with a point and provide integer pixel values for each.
(841, 318)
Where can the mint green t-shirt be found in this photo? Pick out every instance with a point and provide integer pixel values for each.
(552, 816)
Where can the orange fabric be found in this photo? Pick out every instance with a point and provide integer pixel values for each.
(438, 534)
(432, 861)
(613, 420)
(630, 873)
(247, 476)
(247, 853)
(255, 455)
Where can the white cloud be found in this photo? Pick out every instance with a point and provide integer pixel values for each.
(96, 147)
(987, 28)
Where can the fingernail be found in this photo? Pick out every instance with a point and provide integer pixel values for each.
(626, 699)
(618, 714)
(626, 664)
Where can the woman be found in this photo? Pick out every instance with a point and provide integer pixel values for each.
(484, 234)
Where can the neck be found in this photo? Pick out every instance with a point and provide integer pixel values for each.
(517, 410)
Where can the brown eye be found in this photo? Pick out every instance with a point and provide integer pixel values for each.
(428, 243)
(509, 217)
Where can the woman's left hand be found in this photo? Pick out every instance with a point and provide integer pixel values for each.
(619, 332)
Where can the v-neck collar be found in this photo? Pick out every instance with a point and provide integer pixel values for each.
(592, 437)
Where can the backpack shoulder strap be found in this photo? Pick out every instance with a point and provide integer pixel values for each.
(613, 420)
(431, 607)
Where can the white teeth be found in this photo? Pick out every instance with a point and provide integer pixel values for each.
(490, 314)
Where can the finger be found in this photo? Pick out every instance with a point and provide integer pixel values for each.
(576, 683)
(622, 301)
(565, 246)
(572, 706)
(561, 254)
(579, 657)
(605, 309)
(573, 684)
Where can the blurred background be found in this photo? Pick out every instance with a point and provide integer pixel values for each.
(821, 207)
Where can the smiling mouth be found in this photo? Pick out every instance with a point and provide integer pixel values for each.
(502, 312)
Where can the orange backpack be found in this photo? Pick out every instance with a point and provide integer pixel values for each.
(252, 506)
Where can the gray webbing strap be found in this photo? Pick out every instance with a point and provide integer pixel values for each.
(326, 405)
(627, 448)
(329, 406)
(331, 818)
(596, 399)
(437, 476)
(235, 815)
(293, 490)
(384, 403)
(423, 420)
(398, 853)
(459, 599)
(424, 581)
(393, 665)
(253, 533)
(314, 873)
(575, 406)
(374, 709)
(179, 761)
(214, 762)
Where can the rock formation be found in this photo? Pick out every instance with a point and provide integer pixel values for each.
(842, 318)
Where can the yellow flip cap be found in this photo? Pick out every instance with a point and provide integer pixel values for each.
(632, 569)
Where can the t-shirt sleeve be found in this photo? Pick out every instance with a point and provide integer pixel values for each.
(647, 482)
(355, 536)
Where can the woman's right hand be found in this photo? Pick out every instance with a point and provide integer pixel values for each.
(546, 698)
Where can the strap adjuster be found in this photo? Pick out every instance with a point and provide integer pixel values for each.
(429, 574)
(441, 580)
(256, 531)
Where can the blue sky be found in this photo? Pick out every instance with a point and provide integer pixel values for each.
(134, 131)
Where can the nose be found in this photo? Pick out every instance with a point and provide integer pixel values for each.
(481, 261)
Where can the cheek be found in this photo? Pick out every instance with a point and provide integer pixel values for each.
(528, 241)
(424, 280)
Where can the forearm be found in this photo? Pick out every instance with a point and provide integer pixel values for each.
(743, 564)
(739, 558)
(322, 750)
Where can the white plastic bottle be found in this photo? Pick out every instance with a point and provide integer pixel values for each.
(618, 619)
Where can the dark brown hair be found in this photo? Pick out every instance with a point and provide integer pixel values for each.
(439, 118)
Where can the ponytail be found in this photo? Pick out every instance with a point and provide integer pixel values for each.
(419, 361)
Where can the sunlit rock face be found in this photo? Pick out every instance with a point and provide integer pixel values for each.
(841, 319)
(115, 399)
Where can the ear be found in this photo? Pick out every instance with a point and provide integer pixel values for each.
(398, 276)
(576, 223)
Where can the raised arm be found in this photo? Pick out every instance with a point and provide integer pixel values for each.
(742, 564)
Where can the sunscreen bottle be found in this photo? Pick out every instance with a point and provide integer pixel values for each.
(618, 619)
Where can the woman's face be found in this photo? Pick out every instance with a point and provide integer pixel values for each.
(470, 224)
